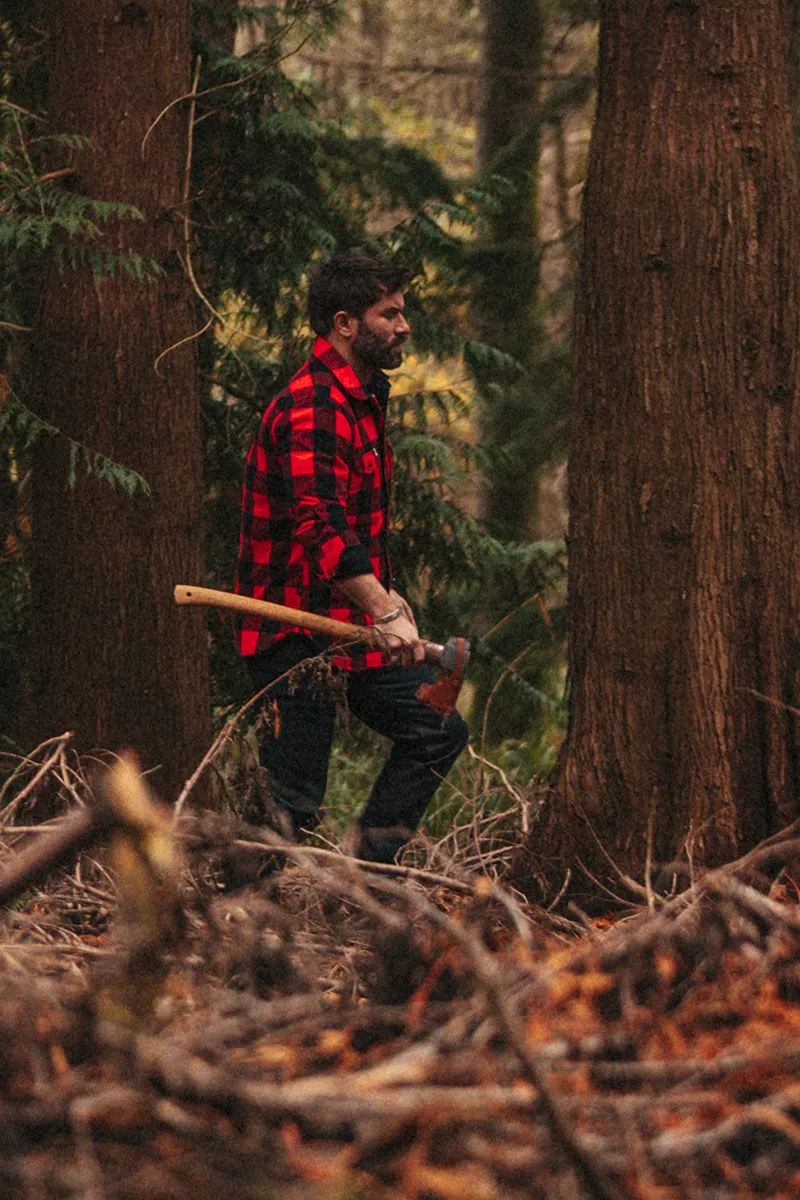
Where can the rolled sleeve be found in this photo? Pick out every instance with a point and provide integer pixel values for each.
(315, 447)
(354, 560)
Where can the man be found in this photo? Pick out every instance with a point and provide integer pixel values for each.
(314, 536)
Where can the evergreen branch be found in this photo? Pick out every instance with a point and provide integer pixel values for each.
(49, 177)
(193, 95)
(5, 103)
(102, 466)
(536, 598)
(510, 669)
(25, 154)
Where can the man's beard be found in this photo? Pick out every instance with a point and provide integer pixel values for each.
(374, 352)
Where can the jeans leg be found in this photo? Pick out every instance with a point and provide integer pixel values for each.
(423, 751)
(297, 755)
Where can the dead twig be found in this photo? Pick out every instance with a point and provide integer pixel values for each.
(58, 744)
(43, 855)
(302, 854)
(491, 979)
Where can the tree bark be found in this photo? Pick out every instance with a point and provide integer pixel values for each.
(794, 71)
(685, 443)
(113, 659)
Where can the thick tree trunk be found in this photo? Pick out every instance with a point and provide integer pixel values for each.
(685, 445)
(794, 71)
(114, 660)
(505, 310)
(508, 140)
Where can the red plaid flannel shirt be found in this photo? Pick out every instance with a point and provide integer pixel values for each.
(315, 502)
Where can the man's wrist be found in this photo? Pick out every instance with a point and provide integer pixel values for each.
(389, 616)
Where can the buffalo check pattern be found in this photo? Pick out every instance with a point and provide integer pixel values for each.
(315, 501)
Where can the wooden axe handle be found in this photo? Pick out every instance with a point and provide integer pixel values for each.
(187, 594)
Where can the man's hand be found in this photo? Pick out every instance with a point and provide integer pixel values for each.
(398, 600)
(400, 635)
(407, 650)
(402, 639)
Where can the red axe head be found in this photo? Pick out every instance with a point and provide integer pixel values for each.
(452, 659)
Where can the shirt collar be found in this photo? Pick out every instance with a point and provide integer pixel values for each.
(346, 376)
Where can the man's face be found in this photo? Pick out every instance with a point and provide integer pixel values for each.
(382, 330)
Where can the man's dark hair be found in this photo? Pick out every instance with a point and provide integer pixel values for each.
(350, 283)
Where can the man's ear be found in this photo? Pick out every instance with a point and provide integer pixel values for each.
(345, 324)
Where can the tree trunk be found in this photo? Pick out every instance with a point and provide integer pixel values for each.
(685, 444)
(114, 660)
(794, 71)
(508, 257)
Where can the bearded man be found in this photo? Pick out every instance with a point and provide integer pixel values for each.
(314, 536)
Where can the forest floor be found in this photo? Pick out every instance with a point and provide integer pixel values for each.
(179, 1024)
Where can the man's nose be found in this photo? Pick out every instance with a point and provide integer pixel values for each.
(402, 325)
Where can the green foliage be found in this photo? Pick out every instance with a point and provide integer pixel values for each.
(278, 187)
(275, 186)
(43, 219)
(23, 428)
(105, 469)
(39, 217)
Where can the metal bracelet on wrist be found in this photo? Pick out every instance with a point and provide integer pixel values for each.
(387, 617)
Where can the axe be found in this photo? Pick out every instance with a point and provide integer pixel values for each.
(451, 658)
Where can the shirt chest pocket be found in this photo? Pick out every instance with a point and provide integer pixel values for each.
(366, 470)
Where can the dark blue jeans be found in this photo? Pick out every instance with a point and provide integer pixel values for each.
(423, 747)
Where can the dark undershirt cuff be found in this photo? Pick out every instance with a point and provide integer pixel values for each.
(353, 560)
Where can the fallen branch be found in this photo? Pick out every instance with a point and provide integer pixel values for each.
(491, 979)
(45, 853)
(303, 854)
(7, 810)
